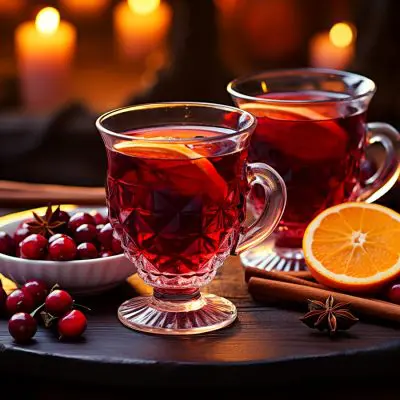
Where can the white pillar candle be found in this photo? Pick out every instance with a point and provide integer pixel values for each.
(45, 49)
(141, 26)
(333, 49)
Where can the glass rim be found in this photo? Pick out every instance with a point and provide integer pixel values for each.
(251, 121)
(281, 73)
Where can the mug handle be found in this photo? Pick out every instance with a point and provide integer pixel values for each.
(275, 202)
(388, 173)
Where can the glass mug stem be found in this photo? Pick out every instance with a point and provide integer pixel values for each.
(275, 202)
(388, 173)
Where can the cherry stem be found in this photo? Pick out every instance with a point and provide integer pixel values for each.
(56, 286)
(36, 310)
(83, 307)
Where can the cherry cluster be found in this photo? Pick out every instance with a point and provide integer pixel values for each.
(59, 236)
(56, 309)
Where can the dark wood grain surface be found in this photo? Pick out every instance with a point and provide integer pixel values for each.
(264, 345)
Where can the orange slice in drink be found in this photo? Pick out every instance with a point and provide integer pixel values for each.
(199, 174)
(354, 246)
(302, 132)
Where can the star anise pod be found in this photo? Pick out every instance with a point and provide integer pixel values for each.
(329, 316)
(46, 224)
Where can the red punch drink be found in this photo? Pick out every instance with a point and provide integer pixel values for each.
(177, 207)
(317, 153)
(177, 184)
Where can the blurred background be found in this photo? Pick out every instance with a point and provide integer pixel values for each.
(59, 69)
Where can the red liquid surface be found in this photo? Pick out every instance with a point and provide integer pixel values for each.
(317, 154)
(177, 208)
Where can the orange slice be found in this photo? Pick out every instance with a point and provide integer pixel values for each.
(300, 131)
(354, 246)
(199, 175)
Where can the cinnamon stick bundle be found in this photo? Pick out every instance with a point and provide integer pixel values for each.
(273, 292)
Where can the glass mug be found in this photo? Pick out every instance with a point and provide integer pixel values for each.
(311, 128)
(177, 183)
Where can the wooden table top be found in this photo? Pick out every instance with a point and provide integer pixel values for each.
(265, 344)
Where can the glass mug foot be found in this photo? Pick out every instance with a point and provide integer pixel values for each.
(159, 314)
(269, 257)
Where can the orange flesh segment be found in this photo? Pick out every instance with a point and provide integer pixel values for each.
(216, 185)
(355, 243)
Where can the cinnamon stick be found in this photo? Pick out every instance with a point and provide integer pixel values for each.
(20, 193)
(300, 274)
(292, 276)
(279, 276)
(274, 291)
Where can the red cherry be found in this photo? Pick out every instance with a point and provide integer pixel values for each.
(393, 293)
(24, 224)
(85, 233)
(98, 217)
(106, 253)
(63, 216)
(72, 325)
(105, 236)
(62, 249)
(20, 234)
(37, 289)
(78, 219)
(20, 301)
(99, 228)
(87, 251)
(33, 247)
(22, 327)
(57, 236)
(116, 246)
(58, 302)
(7, 245)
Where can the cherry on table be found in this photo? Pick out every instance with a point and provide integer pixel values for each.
(72, 325)
(22, 327)
(37, 289)
(105, 236)
(393, 293)
(62, 249)
(87, 251)
(7, 245)
(99, 227)
(3, 299)
(20, 301)
(78, 219)
(85, 233)
(33, 247)
(58, 302)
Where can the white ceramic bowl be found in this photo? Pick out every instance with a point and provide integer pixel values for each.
(79, 277)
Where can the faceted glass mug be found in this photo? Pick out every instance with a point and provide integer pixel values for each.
(312, 129)
(177, 183)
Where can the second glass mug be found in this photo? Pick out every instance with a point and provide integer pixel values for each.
(177, 183)
(312, 130)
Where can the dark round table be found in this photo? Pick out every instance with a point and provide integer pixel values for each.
(265, 346)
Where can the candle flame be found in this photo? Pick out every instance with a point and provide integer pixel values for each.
(341, 35)
(47, 20)
(143, 7)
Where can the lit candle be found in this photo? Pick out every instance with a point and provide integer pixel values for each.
(85, 8)
(45, 49)
(141, 26)
(333, 49)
